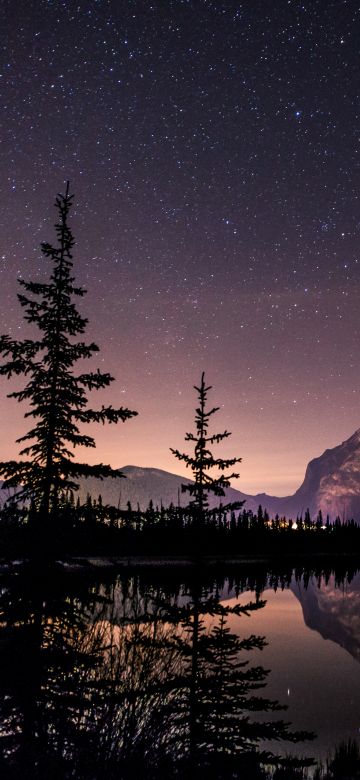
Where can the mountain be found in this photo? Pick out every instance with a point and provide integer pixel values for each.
(332, 484)
(332, 481)
(144, 484)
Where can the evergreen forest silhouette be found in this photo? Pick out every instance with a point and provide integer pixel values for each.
(43, 514)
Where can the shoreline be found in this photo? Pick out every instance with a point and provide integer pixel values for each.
(90, 563)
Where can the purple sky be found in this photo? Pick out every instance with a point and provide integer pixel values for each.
(213, 148)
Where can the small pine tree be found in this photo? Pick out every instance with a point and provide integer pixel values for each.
(57, 396)
(307, 520)
(319, 521)
(202, 461)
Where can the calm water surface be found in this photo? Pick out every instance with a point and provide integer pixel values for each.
(153, 667)
(313, 652)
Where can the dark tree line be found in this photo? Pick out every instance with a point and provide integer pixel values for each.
(46, 480)
(96, 528)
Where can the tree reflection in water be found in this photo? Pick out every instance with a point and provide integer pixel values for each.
(129, 680)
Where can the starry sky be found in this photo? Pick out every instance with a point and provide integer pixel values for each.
(213, 147)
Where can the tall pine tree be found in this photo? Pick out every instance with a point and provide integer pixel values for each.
(57, 396)
(203, 461)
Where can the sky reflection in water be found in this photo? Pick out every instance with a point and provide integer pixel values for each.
(313, 666)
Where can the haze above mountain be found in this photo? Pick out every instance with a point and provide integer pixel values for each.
(331, 483)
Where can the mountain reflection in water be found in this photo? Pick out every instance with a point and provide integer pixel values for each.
(152, 676)
(333, 611)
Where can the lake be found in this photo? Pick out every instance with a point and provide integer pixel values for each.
(152, 672)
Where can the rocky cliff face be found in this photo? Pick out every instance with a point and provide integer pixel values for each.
(332, 482)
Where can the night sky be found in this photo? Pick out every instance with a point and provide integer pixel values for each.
(213, 148)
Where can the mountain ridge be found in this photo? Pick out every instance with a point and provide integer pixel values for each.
(331, 483)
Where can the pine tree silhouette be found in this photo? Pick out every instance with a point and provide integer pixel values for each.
(57, 396)
(202, 461)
